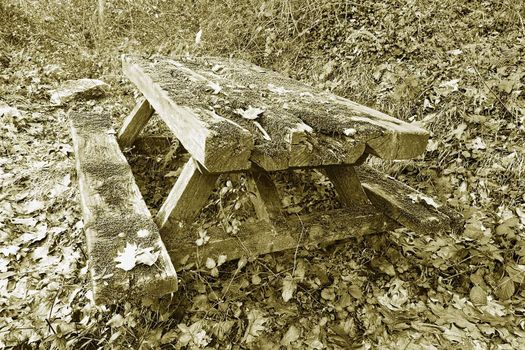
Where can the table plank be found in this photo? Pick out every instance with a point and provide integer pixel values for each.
(298, 125)
(293, 143)
(219, 144)
(329, 114)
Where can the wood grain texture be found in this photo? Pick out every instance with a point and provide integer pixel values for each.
(293, 142)
(347, 185)
(405, 204)
(115, 215)
(134, 123)
(263, 195)
(217, 143)
(185, 200)
(329, 114)
(258, 237)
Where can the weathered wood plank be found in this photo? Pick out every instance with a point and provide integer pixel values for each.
(115, 215)
(186, 199)
(219, 144)
(260, 237)
(286, 141)
(294, 143)
(134, 123)
(230, 98)
(347, 185)
(406, 205)
(264, 195)
(328, 114)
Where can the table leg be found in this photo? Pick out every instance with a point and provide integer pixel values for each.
(186, 199)
(347, 185)
(134, 123)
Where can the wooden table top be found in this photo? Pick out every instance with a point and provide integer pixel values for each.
(229, 114)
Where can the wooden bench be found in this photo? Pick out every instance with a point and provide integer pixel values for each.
(116, 217)
(233, 116)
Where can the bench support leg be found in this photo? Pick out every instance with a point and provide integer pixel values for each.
(185, 200)
(134, 123)
(264, 195)
(347, 185)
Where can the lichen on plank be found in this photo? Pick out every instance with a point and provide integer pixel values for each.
(396, 200)
(219, 144)
(115, 216)
(326, 113)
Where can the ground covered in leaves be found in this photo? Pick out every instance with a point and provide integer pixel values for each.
(455, 67)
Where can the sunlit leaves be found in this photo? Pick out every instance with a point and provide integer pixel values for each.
(132, 255)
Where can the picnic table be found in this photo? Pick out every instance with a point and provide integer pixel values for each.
(234, 117)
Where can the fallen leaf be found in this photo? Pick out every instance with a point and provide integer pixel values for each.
(256, 323)
(291, 335)
(451, 85)
(4, 263)
(478, 296)
(277, 89)
(7, 111)
(350, 132)
(198, 38)
(250, 113)
(127, 258)
(33, 206)
(142, 233)
(221, 260)
(328, 294)
(289, 287)
(147, 256)
(9, 250)
(505, 289)
(355, 291)
(210, 263)
(116, 321)
(419, 197)
(216, 88)
(31, 222)
(455, 52)
(516, 272)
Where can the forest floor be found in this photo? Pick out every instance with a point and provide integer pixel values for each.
(456, 67)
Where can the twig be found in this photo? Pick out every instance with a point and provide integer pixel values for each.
(51, 327)
(297, 247)
(53, 305)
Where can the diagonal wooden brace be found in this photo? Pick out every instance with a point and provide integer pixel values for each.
(134, 123)
(185, 200)
(347, 185)
(263, 195)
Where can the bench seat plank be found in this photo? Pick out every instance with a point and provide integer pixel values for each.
(406, 205)
(115, 215)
